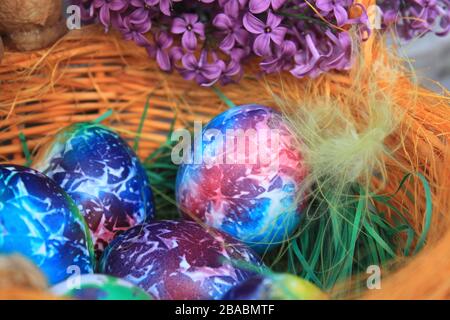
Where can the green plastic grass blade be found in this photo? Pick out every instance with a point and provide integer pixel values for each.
(25, 149)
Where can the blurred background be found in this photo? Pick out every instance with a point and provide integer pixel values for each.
(430, 55)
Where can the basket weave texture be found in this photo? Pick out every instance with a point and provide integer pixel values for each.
(87, 73)
(83, 76)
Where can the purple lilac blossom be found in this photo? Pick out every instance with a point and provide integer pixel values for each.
(415, 18)
(209, 40)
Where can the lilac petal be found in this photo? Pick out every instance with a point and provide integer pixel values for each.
(163, 60)
(141, 40)
(203, 60)
(300, 71)
(232, 8)
(105, 17)
(445, 25)
(221, 64)
(211, 71)
(139, 16)
(222, 21)
(176, 53)
(325, 5)
(204, 82)
(312, 47)
(277, 4)
(277, 35)
(98, 3)
(188, 74)
(253, 24)
(164, 6)
(189, 41)
(117, 5)
(165, 40)
(242, 3)
(273, 20)
(116, 20)
(199, 28)
(289, 48)
(178, 26)
(270, 66)
(341, 15)
(144, 27)
(227, 43)
(258, 6)
(241, 36)
(128, 36)
(190, 18)
(233, 68)
(237, 54)
(390, 16)
(189, 61)
(151, 50)
(261, 47)
(137, 3)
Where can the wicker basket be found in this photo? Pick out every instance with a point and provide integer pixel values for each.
(87, 73)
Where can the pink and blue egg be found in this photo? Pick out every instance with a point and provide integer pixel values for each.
(254, 196)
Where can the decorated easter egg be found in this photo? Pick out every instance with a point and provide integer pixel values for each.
(244, 177)
(179, 260)
(99, 287)
(282, 286)
(41, 222)
(104, 177)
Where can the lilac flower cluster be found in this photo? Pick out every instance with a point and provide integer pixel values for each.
(414, 18)
(208, 40)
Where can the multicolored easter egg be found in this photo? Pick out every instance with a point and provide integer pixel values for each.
(245, 177)
(41, 222)
(99, 287)
(275, 287)
(104, 177)
(179, 260)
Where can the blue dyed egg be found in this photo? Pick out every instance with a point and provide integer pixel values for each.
(41, 222)
(104, 177)
(245, 178)
(99, 287)
(179, 260)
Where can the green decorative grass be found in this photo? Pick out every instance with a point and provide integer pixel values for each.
(162, 174)
(336, 244)
(161, 170)
(25, 149)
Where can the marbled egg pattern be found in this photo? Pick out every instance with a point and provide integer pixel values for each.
(254, 202)
(39, 221)
(178, 260)
(103, 176)
(99, 287)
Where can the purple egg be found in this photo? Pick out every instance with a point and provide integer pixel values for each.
(179, 260)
